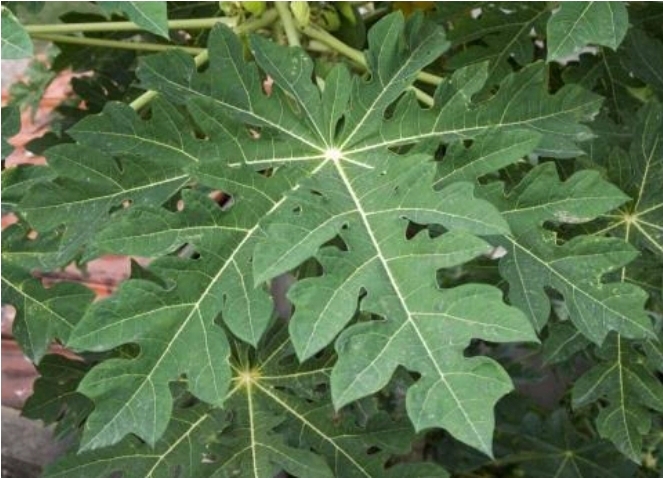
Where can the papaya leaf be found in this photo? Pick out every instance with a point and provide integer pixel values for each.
(640, 174)
(42, 314)
(632, 391)
(500, 34)
(148, 168)
(54, 398)
(152, 16)
(535, 260)
(277, 416)
(578, 24)
(16, 42)
(313, 174)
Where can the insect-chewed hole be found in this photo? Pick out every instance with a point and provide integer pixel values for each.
(268, 85)
(337, 242)
(32, 235)
(8, 314)
(254, 132)
(412, 228)
(297, 210)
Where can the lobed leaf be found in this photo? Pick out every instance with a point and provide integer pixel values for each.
(501, 33)
(310, 174)
(152, 16)
(535, 260)
(16, 42)
(42, 314)
(578, 24)
(631, 390)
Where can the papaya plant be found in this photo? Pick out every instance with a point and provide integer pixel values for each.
(374, 230)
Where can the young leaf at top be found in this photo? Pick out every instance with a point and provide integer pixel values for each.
(578, 24)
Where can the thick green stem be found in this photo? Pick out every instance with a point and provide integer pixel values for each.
(194, 23)
(254, 24)
(422, 96)
(143, 99)
(288, 23)
(123, 45)
(355, 55)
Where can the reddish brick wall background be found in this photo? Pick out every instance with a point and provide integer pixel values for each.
(102, 275)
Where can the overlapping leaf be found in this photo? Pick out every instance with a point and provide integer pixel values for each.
(148, 169)
(16, 42)
(500, 33)
(11, 125)
(578, 24)
(54, 398)
(622, 376)
(182, 450)
(640, 174)
(632, 391)
(277, 417)
(152, 16)
(331, 177)
(335, 178)
(641, 57)
(165, 321)
(535, 260)
(284, 420)
(554, 448)
(42, 314)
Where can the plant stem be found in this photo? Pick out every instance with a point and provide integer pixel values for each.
(143, 99)
(356, 55)
(424, 97)
(262, 21)
(123, 45)
(195, 23)
(288, 23)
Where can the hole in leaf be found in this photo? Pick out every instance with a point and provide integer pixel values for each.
(440, 152)
(339, 126)
(267, 85)
(337, 242)
(297, 211)
(412, 229)
(32, 235)
(8, 314)
(373, 450)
